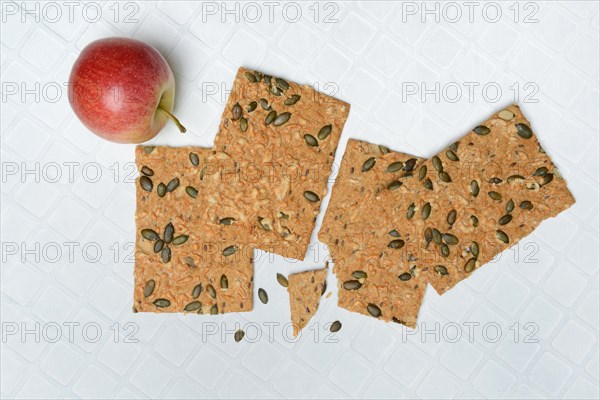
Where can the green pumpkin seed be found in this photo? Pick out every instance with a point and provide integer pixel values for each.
(367, 165)
(270, 117)
(510, 206)
(383, 149)
(440, 269)
(146, 183)
(335, 326)
(236, 112)
(474, 221)
(547, 179)
(541, 171)
(311, 140)
(276, 91)
(359, 275)
(503, 237)
(311, 196)
(426, 211)
(394, 185)
(428, 235)
(495, 181)
(451, 155)
(282, 119)
(239, 335)
(437, 236)
(324, 132)
(243, 124)
(149, 288)
(352, 285)
(173, 184)
(524, 131)
(226, 221)
(214, 310)
(224, 282)
(454, 146)
(196, 291)
(410, 212)
(229, 251)
(282, 280)
(481, 130)
(428, 184)
(526, 205)
(168, 233)
(161, 303)
(193, 306)
(444, 250)
(147, 171)
(293, 99)
(265, 226)
(161, 189)
(251, 77)
(409, 165)
(211, 291)
(263, 296)
(450, 239)
(374, 310)
(252, 106)
(165, 254)
(515, 178)
(148, 149)
(282, 84)
(444, 177)
(395, 166)
(451, 218)
(396, 244)
(422, 172)
(474, 249)
(475, 188)
(506, 115)
(394, 233)
(470, 265)
(149, 234)
(505, 219)
(189, 261)
(181, 239)
(194, 159)
(495, 196)
(437, 164)
(405, 276)
(264, 104)
(191, 191)
(158, 245)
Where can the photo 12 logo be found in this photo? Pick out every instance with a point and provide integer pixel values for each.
(53, 12)
(470, 11)
(270, 11)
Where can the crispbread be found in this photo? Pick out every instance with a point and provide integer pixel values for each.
(305, 289)
(207, 257)
(277, 174)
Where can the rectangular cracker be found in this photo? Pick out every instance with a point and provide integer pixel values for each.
(370, 244)
(211, 257)
(277, 173)
(305, 290)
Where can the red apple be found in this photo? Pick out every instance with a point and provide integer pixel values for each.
(122, 90)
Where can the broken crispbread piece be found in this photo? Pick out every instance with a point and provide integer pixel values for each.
(281, 138)
(184, 260)
(305, 289)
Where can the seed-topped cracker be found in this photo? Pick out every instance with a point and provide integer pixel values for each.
(372, 244)
(281, 138)
(184, 260)
(305, 289)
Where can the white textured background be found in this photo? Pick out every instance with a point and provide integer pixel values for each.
(551, 281)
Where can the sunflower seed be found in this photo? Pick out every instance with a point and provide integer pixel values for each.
(532, 185)
(506, 115)
(324, 132)
(444, 250)
(510, 206)
(181, 239)
(282, 280)
(502, 236)
(211, 291)
(335, 326)
(359, 275)
(270, 117)
(437, 236)
(147, 171)
(451, 155)
(495, 196)
(451, 218)
(410, 212)
(409, 165)
(146, 183)
(224, 282)
(149, 288)
(191, 191)
(149, 234)
(374, 310)
(450, 239)
(426, 211)
(444, 177)
(394, 185)
(264, 104)
(396, 244)
(193, 306)
(470, 265)
(367, 165)
(311, 196)
(547, 179)
(495, 181)
(526, 205)
(541, 171)
(161, 189)
(158, 245)
(394, 233)
(352, 285)
(148, 149)
(474, 249)
(251, 77)
(474, 188)
(214, 310)
(243, 124)
(239, 335)
(524, 131)
(505, 219)
(229, 251)
(515, 178)
(263, 296)
(422, 172)
(226, 221)
(173, 184)
(293, 99)
(165, 254)
(311, 140)
(236, 112)
(196, 291)
(474, 221)
(168, 233)
(437, 164)
(282, 119)
(440, 269)
(161, 303)
(194, 159)
(395, 166)
(481, 130)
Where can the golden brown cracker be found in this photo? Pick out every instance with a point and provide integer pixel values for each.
(305, 290)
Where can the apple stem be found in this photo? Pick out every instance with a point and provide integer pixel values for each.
(175, 120)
